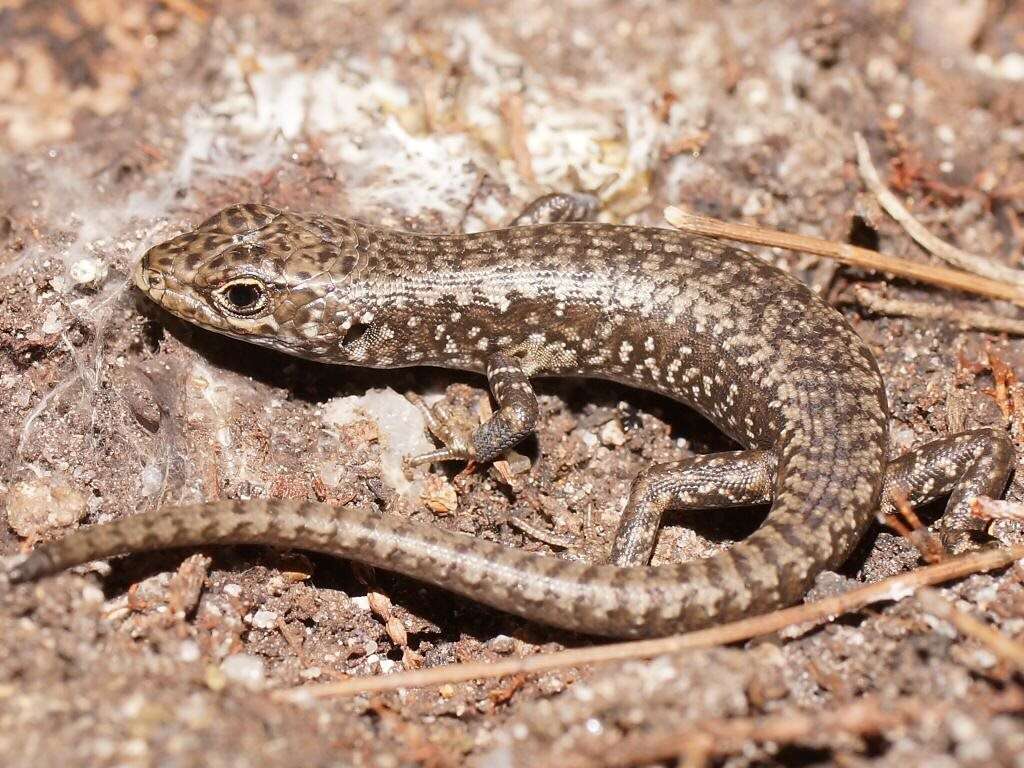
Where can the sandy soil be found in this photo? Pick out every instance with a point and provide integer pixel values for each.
(123, 122)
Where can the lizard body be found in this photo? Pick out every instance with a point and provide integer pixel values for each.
(743, 343)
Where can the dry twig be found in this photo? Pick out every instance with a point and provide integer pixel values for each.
(511, 108)
(997, 509)
(908, 525)
(981, 321)
(548, 537)
(188, 8)
(1001, 645)
(892, 588)
(970, 262)
(699, 741)
(845, 254)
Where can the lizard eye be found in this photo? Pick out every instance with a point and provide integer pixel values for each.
(244, 297)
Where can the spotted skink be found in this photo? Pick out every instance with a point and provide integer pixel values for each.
(743, 343)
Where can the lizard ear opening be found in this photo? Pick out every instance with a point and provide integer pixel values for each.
(354, 334)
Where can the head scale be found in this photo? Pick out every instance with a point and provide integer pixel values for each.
(261, 274)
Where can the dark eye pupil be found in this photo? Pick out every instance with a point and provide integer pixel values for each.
(243, 295)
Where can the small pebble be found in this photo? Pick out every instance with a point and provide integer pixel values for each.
(612, 435)
(244, 669)
(439, 495)
(44, 504)
(92, 594)
(502, 644)
(215, 679)
(264, 619)
(51, 323)
(188, 651)
(87, 271)
(362, 602)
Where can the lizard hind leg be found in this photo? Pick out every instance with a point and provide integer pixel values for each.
(718, 480)
(558, 207)
(964, 466)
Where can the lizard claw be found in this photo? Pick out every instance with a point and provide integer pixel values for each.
(447, 428)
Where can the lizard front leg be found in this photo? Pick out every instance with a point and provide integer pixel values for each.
(514, 420)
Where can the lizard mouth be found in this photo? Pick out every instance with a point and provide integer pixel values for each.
(166, 293)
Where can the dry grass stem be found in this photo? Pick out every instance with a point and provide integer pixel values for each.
(697, 742)
(1002, 646)
(893, 588)
(851, 255)
(997, 509)
(978, 265)
(980, 321)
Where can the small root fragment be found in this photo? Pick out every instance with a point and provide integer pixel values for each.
(971, 320)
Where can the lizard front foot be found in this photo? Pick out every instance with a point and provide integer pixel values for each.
(448, 428)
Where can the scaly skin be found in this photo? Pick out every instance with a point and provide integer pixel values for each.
(745, 344)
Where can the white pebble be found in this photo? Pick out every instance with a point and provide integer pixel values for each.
(612, 434)
(44, 504)
(244, 669)
(188, 651)
(1011, 66)
(87, 270)
(51, 323)
(362, 602)
(264, 619)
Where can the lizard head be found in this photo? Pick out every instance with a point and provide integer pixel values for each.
(273, 278)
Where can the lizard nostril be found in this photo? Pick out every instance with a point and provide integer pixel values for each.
(148, 279)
